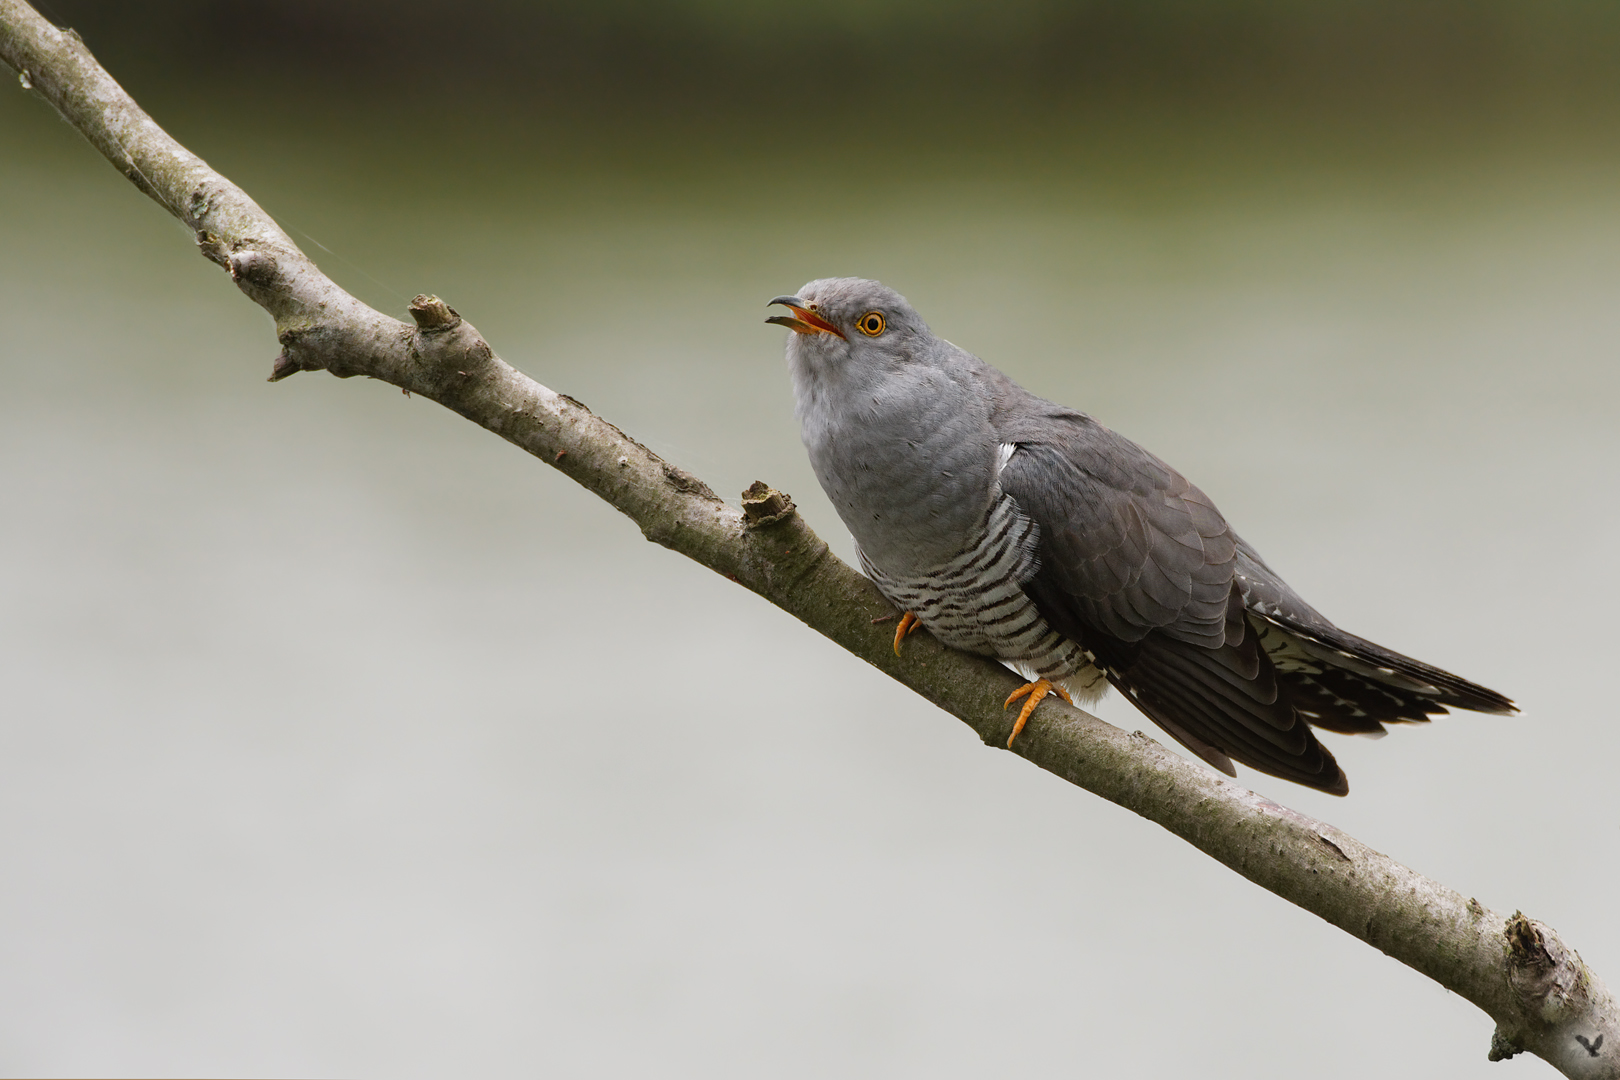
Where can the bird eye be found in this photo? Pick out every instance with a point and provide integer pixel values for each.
(871, 324)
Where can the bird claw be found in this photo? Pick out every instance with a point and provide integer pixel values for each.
(1036, 692)
(908, 625)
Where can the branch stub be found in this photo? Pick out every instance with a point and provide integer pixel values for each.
(254, 267)
(283, 366)
(432, 314)
(763, 505)
(1502, 1047)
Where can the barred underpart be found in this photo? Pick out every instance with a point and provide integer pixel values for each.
(976, 602)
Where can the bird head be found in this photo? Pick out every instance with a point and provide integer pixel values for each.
(838, 322)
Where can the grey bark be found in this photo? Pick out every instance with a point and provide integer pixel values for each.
(1542, 997)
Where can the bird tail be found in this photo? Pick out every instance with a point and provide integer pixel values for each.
(1344, 683)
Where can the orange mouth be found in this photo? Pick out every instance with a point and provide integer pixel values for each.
(803, 320)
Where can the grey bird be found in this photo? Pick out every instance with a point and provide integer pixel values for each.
(1013, 527)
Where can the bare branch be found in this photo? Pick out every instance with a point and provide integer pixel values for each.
(1542, 997)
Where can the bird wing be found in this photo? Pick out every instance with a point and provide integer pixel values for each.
(1127, 542)
(1138, 567)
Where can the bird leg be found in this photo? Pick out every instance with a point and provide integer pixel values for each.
(908, 625)
(1036, 691)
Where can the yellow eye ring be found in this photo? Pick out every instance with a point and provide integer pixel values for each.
(871, 324)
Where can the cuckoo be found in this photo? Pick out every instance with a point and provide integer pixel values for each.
(1013, 527)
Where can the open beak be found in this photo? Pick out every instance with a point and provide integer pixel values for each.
(803, 320)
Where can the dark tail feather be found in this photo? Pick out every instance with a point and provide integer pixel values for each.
(1345, 683)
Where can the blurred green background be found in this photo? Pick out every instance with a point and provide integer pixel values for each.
(336, 737)
(1363, 56)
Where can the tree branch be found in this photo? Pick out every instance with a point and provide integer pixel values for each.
(1542, 997)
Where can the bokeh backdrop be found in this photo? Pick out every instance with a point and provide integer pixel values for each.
(339, 738)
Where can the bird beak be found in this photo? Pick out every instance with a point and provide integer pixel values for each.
(803, 320)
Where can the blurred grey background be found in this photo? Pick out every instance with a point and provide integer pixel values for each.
(337, 738)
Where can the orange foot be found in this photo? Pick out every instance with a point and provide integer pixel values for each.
(908, 625)
(1036, 690)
